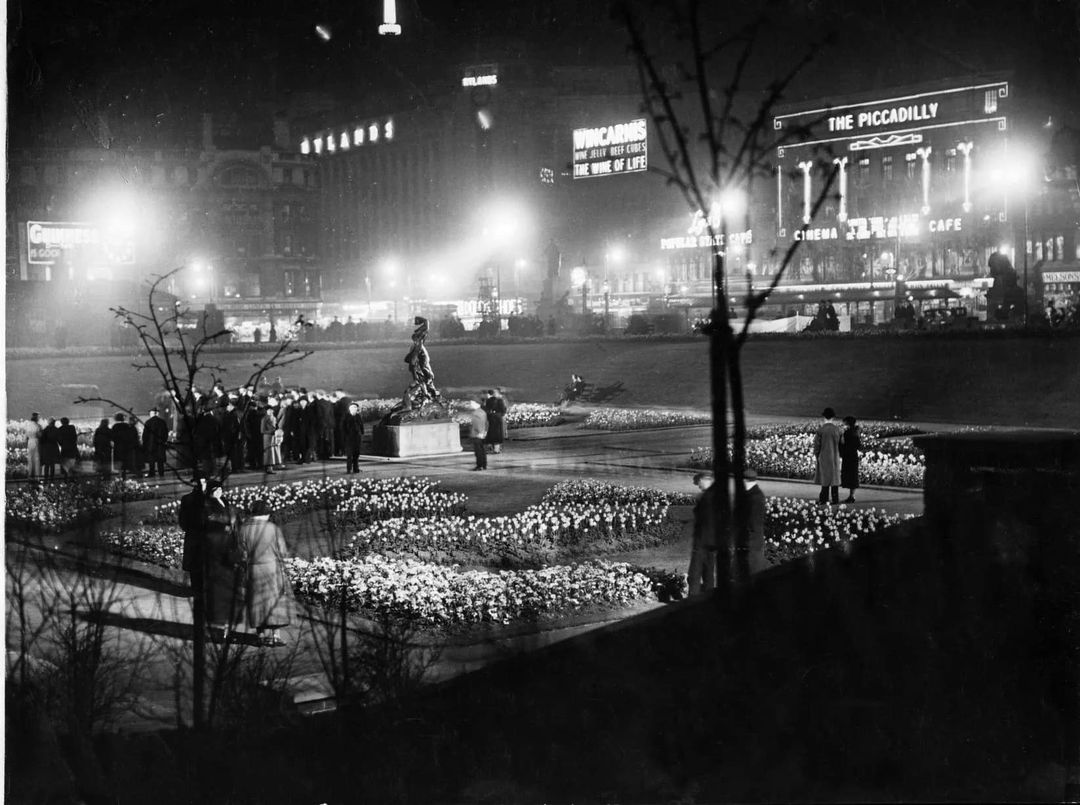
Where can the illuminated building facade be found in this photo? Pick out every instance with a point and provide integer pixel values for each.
(921, 194)
(414, 196)
(87, 227)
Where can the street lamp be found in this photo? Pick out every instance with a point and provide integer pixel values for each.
(1017, 174)
(607, 302)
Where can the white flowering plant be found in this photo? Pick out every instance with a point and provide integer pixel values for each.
(57, 506)
(639, 418)
(796, 527)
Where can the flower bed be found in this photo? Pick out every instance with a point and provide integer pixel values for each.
(796, 527)
(785, 452)
(439, 595)
(574, 517)
(533, 415)
(64, 504)
(636, 419)
(351, 500)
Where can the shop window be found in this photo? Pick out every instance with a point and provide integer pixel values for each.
(886, 168)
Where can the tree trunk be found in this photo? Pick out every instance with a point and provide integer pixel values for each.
(741, 520)
(719, 351)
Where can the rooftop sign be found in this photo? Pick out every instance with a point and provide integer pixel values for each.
(613, 149)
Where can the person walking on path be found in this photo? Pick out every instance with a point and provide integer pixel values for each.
(495, 408)
(352, 435)
(33, 446)
(478, 425)
(268, 594)
(103, 448)
(850, 445)
(827, 456)
(155, 439)
(223, 561)
(701, 576)
(50, 449)
(69, 448)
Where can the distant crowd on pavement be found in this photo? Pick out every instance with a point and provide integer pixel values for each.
(226, 432)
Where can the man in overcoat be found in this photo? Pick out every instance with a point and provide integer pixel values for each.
(827, 458)
(155, 438)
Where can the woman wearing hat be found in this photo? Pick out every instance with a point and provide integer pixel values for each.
(224, 565)
(268, 594)
(850, 445)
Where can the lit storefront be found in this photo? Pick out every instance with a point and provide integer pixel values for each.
(918, 197)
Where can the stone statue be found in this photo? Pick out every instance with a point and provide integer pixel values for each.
(421, 399)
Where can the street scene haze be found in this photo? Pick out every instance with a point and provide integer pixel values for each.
(445, 401)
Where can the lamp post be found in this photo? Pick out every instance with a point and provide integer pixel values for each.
(607, 303)
(1026, 294)
(367, 283)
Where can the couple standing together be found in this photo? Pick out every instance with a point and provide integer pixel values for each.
(240, 566)
(837, 458)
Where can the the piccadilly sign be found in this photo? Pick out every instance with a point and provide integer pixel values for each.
(956, 106)
(610, 150)
(47, 242)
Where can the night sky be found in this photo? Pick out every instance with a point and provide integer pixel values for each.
(149, 65)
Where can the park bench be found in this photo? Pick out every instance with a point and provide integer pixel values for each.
(591, 393)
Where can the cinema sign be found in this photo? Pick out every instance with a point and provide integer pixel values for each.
(610, 150)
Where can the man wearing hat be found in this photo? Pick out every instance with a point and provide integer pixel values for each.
(827, 459)
(155, 438)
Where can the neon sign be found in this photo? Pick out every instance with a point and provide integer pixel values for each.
(610, 150)
(479, 81)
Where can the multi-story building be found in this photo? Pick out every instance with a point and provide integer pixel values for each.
(87, 228)
(923, 192)
(482, 186)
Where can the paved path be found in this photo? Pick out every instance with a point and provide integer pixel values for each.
(151, 609)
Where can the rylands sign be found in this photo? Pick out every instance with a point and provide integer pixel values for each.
(608, 150)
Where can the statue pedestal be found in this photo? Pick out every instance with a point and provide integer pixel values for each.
(417, 439)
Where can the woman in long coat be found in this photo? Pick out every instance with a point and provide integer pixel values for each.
(495, 407)
(268, 594)
(827, 455)
(850, 445)
(224, 561)
(103, 448)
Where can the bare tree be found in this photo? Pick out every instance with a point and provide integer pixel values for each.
(181, 358)
(716, 135)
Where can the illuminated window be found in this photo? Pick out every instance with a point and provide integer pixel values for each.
(909, 165)
(864, 169)
(344, 141)
(950, 160)
(305, 146)
(331, 144)
(388, 130)
(318, 145)
(358, 136)
(373, 133)
(886, 168)
(1059, 247)
(990, 101)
